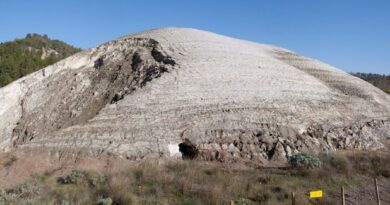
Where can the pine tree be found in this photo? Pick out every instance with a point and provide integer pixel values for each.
(23, 56)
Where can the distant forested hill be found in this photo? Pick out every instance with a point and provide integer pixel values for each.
(380, 81)
(23, 56)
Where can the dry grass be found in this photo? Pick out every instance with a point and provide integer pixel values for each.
(203, 183)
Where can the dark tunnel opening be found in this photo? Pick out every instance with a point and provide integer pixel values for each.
(188, 150)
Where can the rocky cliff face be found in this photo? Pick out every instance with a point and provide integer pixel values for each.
(219, 98)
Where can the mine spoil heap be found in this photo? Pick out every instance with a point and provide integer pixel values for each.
(178, 92)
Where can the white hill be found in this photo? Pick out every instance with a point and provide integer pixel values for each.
(143, 94)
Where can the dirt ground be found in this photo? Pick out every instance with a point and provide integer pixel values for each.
(16, 168)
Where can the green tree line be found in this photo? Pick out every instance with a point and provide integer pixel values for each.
(24, 56)
(380, 81)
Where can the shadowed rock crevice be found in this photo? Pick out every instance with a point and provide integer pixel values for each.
(99, 62)
(160, 57)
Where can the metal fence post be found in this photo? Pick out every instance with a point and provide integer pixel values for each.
(293, 198)
(377, 192)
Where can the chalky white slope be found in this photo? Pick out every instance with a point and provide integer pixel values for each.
(142, 95)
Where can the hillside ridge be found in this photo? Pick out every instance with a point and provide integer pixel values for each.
(143, 95)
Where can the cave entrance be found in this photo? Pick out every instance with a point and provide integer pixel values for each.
(188, 150)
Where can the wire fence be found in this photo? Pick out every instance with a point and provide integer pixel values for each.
(375, 193)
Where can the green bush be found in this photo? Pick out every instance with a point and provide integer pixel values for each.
(21, 194)
(3, 196)
(95, 179)
(2, 191)
(106, 201)
(64, 202)
(261, 196)
(127, 199)
(73, 178)
(305, 161)
(243, 201)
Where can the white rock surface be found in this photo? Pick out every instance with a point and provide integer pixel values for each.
(223, 94)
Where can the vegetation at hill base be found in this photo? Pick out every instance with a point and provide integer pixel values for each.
(24, 56)
(193, 182)
(380, 81)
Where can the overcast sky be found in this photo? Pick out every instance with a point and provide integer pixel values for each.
(353, 35)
